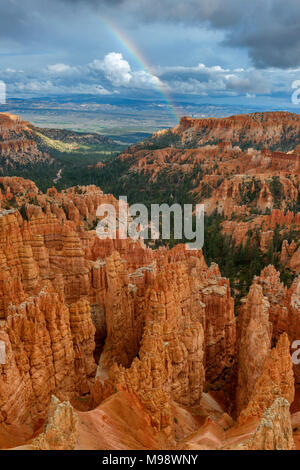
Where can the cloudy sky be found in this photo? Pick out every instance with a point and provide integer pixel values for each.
(184, 49)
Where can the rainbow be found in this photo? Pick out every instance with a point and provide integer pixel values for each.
(141, 61)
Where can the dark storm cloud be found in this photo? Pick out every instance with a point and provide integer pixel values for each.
(24, 21)
(46, 22)
(273, 46)
(268, 29)
(14, 20)
(272, 37)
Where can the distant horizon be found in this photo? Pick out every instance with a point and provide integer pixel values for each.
(116, 116)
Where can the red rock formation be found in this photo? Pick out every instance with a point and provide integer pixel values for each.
(274, 431)
(284, 307)
(16, 143)
(275, 380)
(164, 327)
(290, 256)
(49, 346)
(254, 334)
(263, 226)
(176, 302)
(157, 312)
(121, 343)
(61, 428)
(265, 129)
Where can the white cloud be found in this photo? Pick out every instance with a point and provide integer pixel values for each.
(59, 68)
(48, 87)
(118, 71)
(144, 79)
(214, 80)
(36, 86)
(250, 82)
(101, 91)
(214, 68)
(114, 74)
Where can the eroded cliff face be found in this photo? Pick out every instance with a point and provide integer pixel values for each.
(264, 129)
(255, 332)
(49, 342)
(155, 323)
(231, 181)
(265, 225)
(113, 326)
(46, 321)
(264, 373)
(274, 431)
(244, 169)
(17, 145)
(60, 430)
(276, 380)
(170, 335)
(283, 308)
(238, 165)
